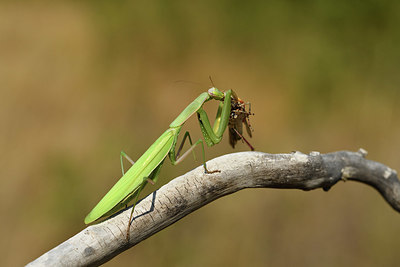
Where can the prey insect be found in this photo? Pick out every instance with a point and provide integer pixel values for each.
(147, 167)
(239, 116)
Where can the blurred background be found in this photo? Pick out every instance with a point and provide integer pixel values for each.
(79, 82)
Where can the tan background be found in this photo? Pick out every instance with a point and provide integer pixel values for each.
(81, 81)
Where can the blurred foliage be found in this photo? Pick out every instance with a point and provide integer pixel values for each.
(79, 81)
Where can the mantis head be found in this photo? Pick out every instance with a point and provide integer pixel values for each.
(216, 94)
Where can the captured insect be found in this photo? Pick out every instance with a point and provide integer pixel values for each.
(239, 116)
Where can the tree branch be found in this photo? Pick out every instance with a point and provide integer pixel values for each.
(101, 242)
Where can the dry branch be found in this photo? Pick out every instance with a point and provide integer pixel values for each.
(99, 243)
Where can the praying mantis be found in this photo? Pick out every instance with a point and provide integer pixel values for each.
(231, 110)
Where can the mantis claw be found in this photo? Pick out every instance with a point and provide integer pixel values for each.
(209, 172)
(150, 181)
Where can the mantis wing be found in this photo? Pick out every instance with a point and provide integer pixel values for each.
(135, 176)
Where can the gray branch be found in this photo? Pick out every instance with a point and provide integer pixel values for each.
(101, 242)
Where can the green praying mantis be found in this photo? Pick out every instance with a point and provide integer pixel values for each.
(231, 111)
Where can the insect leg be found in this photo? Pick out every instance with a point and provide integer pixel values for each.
(183, 142)
(137, 193)
(153, 177)
(123, 154)
(175, 159)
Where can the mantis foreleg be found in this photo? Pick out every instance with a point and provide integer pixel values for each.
(213, 135)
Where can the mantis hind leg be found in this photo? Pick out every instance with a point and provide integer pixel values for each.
(123, 154)
(136, 196)
(153, 177)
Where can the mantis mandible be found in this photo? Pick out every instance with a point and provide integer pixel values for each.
(147, 167)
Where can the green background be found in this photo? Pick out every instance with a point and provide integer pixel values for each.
(80, 81)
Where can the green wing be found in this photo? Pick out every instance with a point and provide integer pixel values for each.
(135, 176)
